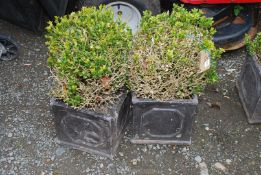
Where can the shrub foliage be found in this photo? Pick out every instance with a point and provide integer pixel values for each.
(254, 47)
(88, 53)
(164, 61)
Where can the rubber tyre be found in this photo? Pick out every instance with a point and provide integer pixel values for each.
(142, 5)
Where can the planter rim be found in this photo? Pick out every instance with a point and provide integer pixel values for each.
(106, 116)
(193, 100)
(58, 102)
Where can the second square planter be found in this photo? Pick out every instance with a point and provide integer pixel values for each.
(249, 89)
(167, 122)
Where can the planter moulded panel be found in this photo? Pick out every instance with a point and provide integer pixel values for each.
(249, 89)
(167, 122)
(90, 131)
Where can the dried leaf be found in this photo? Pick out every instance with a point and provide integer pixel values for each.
(105, 82)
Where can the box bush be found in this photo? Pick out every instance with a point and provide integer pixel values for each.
(88, 53)
(164, 61)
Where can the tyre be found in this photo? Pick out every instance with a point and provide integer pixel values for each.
(130, 11)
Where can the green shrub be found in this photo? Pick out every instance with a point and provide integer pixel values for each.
(164, 61)
(254, 47)
(88, 54)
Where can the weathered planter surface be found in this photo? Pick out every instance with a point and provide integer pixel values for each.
(90, 131)
(249, 89)
(167, 122)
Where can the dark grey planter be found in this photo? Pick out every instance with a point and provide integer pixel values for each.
(249, 89)
(167, 122)
(90, 131)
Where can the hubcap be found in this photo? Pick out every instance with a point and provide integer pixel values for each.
(127, 13)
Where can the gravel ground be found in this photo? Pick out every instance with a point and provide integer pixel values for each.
(223, 141)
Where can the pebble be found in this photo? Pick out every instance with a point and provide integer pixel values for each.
(150, 146)
(219, 166)
(203, 168)
(184, 149)
(10, 134)
(101, 165)
(59, 151)
(228, 161)
(121, 154)
(87, 170)
(134, 162)
(198, 159)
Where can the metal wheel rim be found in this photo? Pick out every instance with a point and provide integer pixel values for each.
(128, 14)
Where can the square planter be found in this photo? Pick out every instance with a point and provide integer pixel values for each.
(249, 89)
(167, 122)
(91, 131)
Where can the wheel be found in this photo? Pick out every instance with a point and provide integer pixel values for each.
(130, 11)
(8, 49)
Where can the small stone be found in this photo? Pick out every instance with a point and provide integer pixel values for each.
(179, 136)
(144, 149)
(37, 49)
(198, 159)
(228, 161)
(121, 154)
(150, 146)
(134, 162)
(101, 165)
(184, 149)
(59, 151)
(10, 134)
(158, 147)
(203, 168)
(206, 128)
(219, 166)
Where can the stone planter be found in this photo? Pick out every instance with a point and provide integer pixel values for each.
(167, 122)
(90, 131)
(249, 89)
